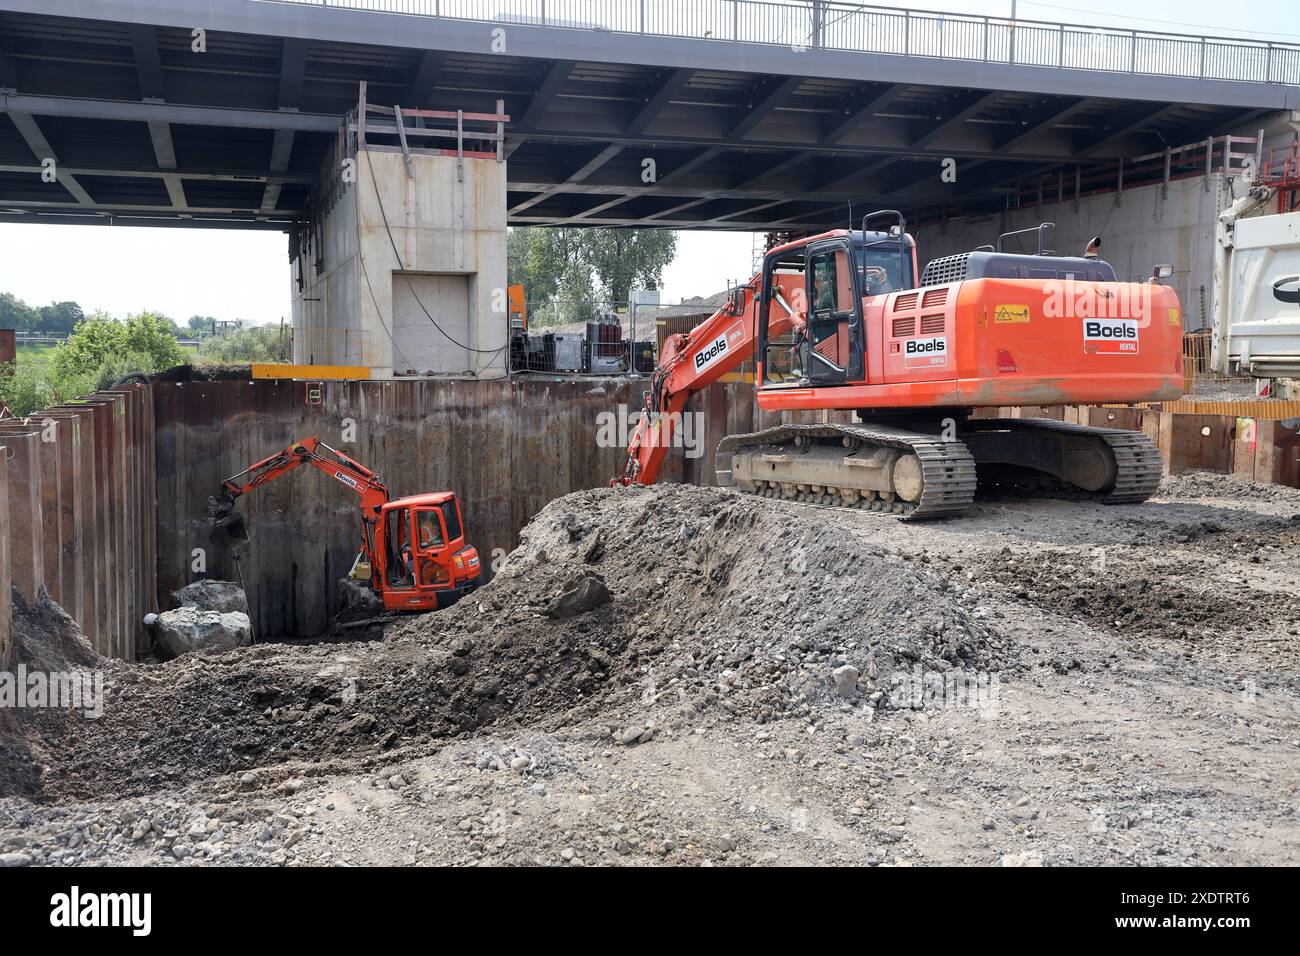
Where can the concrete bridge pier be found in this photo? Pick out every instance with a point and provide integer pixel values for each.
(401, 267)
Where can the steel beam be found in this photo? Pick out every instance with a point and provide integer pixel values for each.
(78, 108)
(41, 149)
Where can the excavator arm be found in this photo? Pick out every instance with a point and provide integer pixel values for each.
(228, 525)
(691, 363)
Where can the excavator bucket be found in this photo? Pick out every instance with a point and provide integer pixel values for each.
(229, 532)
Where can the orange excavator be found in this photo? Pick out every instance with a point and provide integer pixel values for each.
(841, 321)
(413, 552)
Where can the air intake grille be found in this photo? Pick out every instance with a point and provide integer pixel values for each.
(934, 298)
(932, 324)
(945, 270)
(904, 325)
(906, 301)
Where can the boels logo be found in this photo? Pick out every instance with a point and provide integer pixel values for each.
(1110, 336)
(720, 346)
(705, 358)
(925, 352)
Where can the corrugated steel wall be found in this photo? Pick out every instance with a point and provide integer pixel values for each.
(105, 500)
(80, 514)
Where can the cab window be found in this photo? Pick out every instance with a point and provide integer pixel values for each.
(451, 514)
(428, 528)
(397, 546)
(832, 282)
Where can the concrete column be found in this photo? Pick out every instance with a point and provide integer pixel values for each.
(414, 271)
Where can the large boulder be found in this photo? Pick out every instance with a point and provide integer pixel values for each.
(579, 596)
(357, 597)
(188, 629)
(224, 597)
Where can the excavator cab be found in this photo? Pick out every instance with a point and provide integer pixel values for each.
(811, 329)
(425, 562)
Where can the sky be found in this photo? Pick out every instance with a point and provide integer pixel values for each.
(245, 275)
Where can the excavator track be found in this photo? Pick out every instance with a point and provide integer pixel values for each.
(947, 467)
(1138, 466)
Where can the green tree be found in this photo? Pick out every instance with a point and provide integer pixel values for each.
(576, 299)
(152, 336)
(59, 318)
(200, 323)
(16, 314)
(627, 258)
(261, 343)
(99, 343)
(565, 271)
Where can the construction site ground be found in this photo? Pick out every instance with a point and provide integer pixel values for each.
(656, 676)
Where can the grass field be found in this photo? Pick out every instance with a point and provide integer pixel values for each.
(35, 354)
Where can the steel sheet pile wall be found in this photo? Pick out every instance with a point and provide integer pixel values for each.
(506, 448)
(1263, 450)
(81, 519)
(6, 593)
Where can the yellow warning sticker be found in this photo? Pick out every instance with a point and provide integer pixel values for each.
(1011, 313)
(1176, 317)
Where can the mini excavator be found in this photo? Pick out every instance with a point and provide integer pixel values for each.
(413, 552)
(841, 322)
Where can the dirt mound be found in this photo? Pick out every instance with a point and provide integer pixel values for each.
(1129, 595)
(633, 610)
(1205, 484)
(46, 641)
(717, 599)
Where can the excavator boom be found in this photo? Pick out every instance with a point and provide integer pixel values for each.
(691, 363)
(229, 528)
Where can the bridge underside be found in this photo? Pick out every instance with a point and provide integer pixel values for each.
(145, 130)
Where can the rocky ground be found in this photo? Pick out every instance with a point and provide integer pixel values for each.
(689, 676)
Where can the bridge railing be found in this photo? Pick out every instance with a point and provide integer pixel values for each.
(849, 27)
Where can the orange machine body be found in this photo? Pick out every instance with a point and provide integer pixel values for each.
(996, 342)
(423, 562)
(415, 546)
(957, 345)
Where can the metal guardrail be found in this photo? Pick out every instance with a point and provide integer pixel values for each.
(810, 25)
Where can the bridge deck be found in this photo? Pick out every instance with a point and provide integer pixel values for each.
(729, 114)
